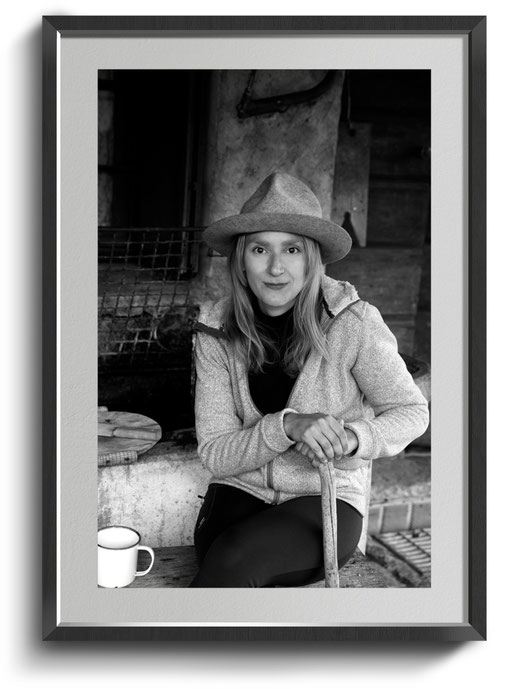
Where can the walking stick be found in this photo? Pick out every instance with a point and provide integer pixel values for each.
(329, 515)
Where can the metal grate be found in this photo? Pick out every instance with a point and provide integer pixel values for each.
(412, 546)
(145, 309)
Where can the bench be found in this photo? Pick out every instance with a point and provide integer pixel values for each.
(175, 567)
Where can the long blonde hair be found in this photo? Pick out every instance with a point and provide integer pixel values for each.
(240, 328)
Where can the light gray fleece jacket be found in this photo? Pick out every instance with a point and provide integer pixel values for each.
(365, 383)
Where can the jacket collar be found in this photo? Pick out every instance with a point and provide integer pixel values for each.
(337, 296)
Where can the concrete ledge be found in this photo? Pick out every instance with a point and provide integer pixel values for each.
(404, 477)
(160, 494)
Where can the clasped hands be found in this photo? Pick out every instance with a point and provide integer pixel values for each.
(319, 437)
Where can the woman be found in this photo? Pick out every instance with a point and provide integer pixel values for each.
(293, 369)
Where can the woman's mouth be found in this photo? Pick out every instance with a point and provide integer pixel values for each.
(276, 285)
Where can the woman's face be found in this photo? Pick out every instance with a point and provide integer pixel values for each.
(275, 266)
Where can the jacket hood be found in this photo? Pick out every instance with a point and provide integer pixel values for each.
(337, 296)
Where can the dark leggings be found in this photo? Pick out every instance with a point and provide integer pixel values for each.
(242, 541)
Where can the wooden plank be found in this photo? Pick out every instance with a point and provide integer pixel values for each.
(389, 278)
(398, 212)
(351, 179)
(175, 567)
(401, 148)
(360, 573)
(403, 328)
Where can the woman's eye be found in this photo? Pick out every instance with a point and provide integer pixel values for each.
(294, 250)
(258, 250)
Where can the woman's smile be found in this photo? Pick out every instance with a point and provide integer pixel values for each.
(276, 285)
(275, 267)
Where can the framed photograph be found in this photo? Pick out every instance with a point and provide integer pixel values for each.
(153, 129)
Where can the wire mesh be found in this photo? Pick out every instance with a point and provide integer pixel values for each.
(145, 310)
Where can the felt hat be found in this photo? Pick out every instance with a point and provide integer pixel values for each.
(281, 203)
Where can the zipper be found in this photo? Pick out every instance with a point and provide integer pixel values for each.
(331, 320)
(269, 465)
(269, 480)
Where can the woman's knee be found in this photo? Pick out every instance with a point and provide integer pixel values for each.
(228, 562)
(229, 550)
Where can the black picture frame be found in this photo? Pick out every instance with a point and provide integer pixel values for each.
(474, 27)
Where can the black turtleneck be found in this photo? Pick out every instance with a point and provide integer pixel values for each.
(271, 388)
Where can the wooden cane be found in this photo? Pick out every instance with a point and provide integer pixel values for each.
(329, 515)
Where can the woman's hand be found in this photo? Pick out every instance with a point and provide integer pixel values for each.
(320, 437)
(305, 450)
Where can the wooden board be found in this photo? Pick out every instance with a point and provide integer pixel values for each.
(403, 328)
(173, 567)
(389, 278)
(111, 446)
(398, 212)
(400, 148)
(351, 180)
(176, 567)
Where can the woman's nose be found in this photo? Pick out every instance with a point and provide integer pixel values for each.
(275, 266)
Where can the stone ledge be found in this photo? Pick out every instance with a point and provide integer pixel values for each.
(160, 494)
(404, 477)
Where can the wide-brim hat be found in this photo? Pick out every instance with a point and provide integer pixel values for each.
(282, 203)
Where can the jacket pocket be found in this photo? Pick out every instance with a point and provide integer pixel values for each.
(352, 481)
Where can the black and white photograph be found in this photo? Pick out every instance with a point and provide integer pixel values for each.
(264, 374)
(267, 360)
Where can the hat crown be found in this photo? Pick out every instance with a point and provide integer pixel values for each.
(282, 193)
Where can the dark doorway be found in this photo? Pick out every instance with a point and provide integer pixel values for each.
(150, 180)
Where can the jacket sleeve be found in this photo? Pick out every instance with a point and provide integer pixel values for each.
(225, 447)
(401, 411)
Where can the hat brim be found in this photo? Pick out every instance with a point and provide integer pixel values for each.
(334, 241)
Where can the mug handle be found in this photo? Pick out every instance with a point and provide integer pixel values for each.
(151, 552)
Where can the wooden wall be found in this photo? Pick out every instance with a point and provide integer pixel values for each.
(389, 131)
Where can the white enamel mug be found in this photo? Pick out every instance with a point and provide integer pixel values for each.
(118, 548)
